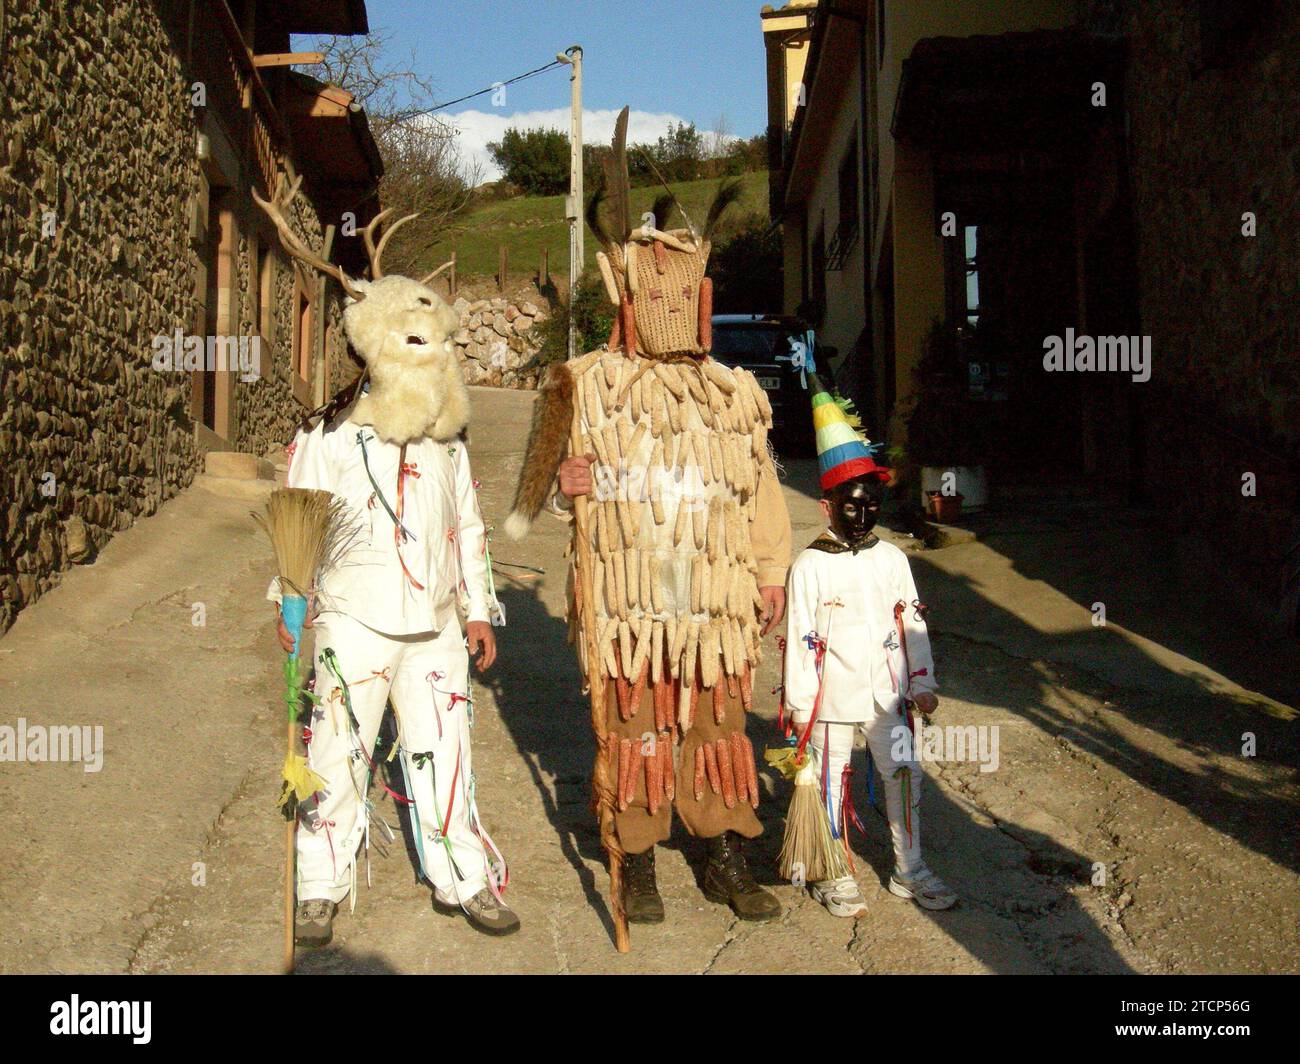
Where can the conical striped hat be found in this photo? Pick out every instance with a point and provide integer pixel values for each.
(841, 450)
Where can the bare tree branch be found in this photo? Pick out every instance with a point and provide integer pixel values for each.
(424, 171)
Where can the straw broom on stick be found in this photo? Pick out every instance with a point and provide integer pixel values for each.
(809, 852)
(602, 788)
(307, 533)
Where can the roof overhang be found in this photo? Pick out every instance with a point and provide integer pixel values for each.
(332, 146)
(835, 48)
(1013, 91)
(343, 17)
(793, 16)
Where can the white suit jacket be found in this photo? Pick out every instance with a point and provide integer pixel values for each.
(444, 549)
(847, 600)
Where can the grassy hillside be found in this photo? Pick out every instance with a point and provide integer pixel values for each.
(527, 224)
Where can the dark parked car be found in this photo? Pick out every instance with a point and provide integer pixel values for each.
(761, 344)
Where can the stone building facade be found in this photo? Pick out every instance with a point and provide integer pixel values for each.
(1213, 153)
(131, 134)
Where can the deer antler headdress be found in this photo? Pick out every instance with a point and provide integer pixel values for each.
(401, 329)
(283, 197)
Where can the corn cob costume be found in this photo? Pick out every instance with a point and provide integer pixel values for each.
(686, 523)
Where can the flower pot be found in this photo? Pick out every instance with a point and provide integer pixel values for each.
(944, 508)
(968, 481)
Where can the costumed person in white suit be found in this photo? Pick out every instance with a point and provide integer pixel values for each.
(386, 619)
(857, 660)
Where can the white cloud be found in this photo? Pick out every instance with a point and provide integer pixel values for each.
(475, 129)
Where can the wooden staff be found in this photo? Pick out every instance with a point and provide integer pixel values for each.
(601, 785)
(290, 859)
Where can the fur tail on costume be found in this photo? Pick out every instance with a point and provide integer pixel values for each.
(547, 441)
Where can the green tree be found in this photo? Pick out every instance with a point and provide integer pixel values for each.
(592, 313)
(679, 153)
(536, 161)
(746, 269)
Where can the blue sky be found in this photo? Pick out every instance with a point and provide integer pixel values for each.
(669, 60)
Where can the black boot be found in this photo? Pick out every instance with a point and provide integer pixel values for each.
(728, 880)
(641, 899)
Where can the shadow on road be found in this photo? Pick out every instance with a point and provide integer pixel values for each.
(1202, 722)
(339, 961)
(1034, 894)
(539, 698)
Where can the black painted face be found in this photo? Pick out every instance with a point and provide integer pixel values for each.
(855, 507)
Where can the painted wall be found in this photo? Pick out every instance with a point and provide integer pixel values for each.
(845, 309)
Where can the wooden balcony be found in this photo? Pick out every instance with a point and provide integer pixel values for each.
(236, 93)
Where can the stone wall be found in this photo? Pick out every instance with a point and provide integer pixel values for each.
(496, 340)
(98, 180)
(268, 413)
(1211, 139)
(98, 163)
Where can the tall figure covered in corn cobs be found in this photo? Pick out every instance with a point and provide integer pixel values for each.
(682, 543)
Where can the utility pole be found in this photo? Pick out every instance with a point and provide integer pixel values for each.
(573, 204)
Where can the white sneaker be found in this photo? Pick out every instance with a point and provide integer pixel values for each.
(924, 888)
(840, 896)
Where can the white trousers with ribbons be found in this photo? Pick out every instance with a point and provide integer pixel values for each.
(832, 747)
(426, 676)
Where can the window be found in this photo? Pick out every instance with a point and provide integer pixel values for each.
(819, 269)
(849, 187)
(303, 319)
(846, 233)
(747, 345)
(970, 255)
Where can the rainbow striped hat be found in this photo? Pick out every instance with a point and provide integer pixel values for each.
(842, 451)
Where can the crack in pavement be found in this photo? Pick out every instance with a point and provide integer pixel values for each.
(167, 904)
(561, 960)
(729, 936)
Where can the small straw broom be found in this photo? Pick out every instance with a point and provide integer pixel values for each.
(307, 533)
(809, 851)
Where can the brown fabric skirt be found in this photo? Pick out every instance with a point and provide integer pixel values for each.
(710, 771)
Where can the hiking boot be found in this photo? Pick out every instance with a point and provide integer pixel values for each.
(641, 899)
(924, 888)
(840, 896)
(313, 922)
(728, 881)
(483, 911)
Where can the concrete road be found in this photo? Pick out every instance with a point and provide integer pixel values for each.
(1123, 830)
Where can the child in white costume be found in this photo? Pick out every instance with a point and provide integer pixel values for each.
(857, 659)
